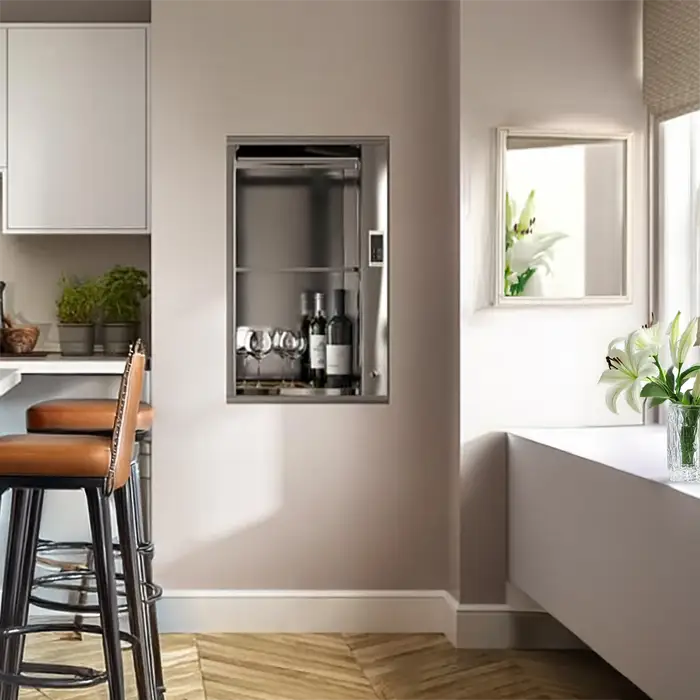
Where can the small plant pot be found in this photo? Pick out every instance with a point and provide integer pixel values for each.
(76, 339)
(118, 337)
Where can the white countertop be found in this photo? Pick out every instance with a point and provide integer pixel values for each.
(605, 544)
(57, 364)
(9, 378)
(638, 450)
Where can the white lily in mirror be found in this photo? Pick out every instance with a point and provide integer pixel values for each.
(527, 251)
(628, 368)
(532, 251)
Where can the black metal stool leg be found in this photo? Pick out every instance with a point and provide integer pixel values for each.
(15, 647)
(11, 581)
(135, 593)
(146, 563)
(101, 528)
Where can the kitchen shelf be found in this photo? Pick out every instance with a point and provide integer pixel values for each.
(311, 270)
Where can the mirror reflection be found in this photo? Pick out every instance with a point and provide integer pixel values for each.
(564, 217)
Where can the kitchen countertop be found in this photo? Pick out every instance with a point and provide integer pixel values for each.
(55, 363)
(9, 378)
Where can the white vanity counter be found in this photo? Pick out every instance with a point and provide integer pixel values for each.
(602, 541)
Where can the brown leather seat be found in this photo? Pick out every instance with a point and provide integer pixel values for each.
(82, 456)
(81, 416)
(60, 455)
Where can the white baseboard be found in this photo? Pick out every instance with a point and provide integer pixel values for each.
(398, 612)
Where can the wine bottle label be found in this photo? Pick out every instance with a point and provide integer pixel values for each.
(317, 351)
(339, 360)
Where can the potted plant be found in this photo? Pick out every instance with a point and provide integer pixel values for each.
(122, 290)
(637, 372)
(75, 310)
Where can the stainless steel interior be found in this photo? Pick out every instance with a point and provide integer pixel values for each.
(302, 222)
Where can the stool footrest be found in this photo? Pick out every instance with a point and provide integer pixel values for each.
(152, 592)
(145, 548)
(80, 676)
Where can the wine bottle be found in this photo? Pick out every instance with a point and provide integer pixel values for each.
(306, 315)
(339, 344)
(317, 343)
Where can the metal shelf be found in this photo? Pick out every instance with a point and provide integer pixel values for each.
(317, 270)
(367, 398)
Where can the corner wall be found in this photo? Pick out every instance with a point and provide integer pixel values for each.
(538, 64)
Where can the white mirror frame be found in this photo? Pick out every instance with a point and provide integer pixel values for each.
(499, 299)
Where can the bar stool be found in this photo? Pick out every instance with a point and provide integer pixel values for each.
(96, 417)
(31, 464)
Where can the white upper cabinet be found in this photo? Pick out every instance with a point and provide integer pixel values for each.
(3, 98)
(77, 130)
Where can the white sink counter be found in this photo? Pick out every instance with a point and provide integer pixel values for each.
(603, 542)
(57, 364)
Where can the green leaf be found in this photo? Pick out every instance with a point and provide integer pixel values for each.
(670, 381)
(688, 398)
(655, 401)
(687, 374)
(654, 390)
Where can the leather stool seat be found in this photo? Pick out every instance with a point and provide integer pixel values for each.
(82, 456)
(81, 416)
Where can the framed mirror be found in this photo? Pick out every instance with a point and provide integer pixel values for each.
(562, 218)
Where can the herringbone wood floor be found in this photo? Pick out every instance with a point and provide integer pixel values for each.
(347, 667)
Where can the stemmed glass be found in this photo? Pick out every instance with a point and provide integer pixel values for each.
(294, 344)
(259, 345)
(278, 340)
(242, 340)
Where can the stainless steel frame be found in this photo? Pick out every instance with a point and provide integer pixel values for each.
(265, 285)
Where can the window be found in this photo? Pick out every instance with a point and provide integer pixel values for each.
(679, 215)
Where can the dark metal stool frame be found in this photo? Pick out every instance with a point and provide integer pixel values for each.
(25, 518)
(151, 592)
(23, 540)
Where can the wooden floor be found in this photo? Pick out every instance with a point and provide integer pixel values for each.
(347, 667)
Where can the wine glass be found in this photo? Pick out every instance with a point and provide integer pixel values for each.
(295, 343)
(242, 334)
(278, 347)
(259, 346)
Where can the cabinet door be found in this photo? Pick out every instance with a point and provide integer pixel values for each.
(3, 98)
(77, 129)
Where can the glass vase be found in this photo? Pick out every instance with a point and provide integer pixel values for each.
(683, 442)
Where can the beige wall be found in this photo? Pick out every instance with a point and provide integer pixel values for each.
(342, 497)
(537, 64)
(75, 10)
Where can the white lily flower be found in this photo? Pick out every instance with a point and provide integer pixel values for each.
(532, 250)
(628, 367)
(680, 343)
(651, 338)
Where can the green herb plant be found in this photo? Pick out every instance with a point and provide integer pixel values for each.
(122, 289)
(77, 301)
